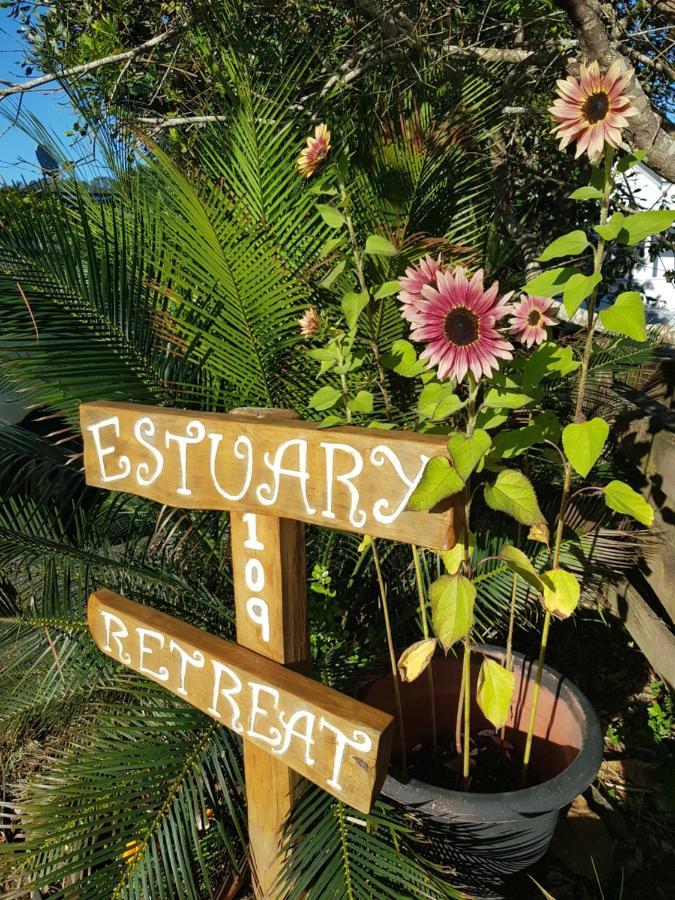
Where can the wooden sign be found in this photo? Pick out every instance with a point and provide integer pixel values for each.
(333, 740)
(353, 479)
(273, 473)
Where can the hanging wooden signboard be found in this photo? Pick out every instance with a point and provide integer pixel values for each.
(333, 740)
(272, 472)
(354, 479)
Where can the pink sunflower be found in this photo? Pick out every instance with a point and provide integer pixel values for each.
(457, 322)
(592, 109)
(529, 319)
(415, 278)
(315, 152)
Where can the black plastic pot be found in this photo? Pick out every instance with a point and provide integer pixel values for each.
(484, 838)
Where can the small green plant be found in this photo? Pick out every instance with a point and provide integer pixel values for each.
(661, 712)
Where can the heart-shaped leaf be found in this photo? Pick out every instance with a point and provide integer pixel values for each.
(577, 289)
(623, 499)
(352, 306)
(331, 215)
(467, 452)
(610, 229)
(415, 658)
(518, 562)
(494, 691)
(438, 401)
(325, 398)
(452, 558)
(626, 316)
(452, 598)
(583, 443)
(561, 592)
(439, 480)
(640, 225)
(376, 245)
(513, 493)
(570, 244)
(549, 283)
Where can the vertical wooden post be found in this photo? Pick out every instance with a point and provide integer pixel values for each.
(268, 562)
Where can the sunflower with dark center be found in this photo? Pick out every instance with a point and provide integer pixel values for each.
(592, 109)
(530, 319)
(315, 152)
(457, 319)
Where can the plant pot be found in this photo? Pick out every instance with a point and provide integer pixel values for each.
(481, 838)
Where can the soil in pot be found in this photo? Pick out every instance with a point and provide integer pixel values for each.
(496, 763)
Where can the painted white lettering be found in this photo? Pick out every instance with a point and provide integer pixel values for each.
(290, 732)
(123, 462)
(267, 493)
(218, 670)
(194, 433)
(195, 659)
(254, 575)
(252, 542)
(242, 449)
(356, 516)
(115, 635)
(273, 737)
(143, 428)
(259, 612)
(378, 456)
(359, 742)
(162, 674)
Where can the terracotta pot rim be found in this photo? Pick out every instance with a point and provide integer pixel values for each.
(549, 795)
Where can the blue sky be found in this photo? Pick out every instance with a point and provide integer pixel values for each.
(17, 151)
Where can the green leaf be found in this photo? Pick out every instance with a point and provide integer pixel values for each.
(381, 426)
(376, 245)
(640, 225)
(583, 443)
(494, 691)
(403, 360)
(467, 452)
(362, 403)
(452, 558)
(352, 307)
(544, 427)
(487, 419)
(387, 289)
(334, 273)
(499, 398)
(630, 159)
(513, 494)
(561, 592)
(330, 245)
(549, 283)
(570, 244)
(452, 598)
(623, 499)
(415, 658)
(331, 422)
(586, 193)
(324, 355)
(439, 481)
(438, 401)
(626, 316)
(331, 215)
(548, 359)
(610, 230)
(577, 289)
(325, 398)
(518, 562)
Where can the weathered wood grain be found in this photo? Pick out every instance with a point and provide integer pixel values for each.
(353, 479)
(329, 738)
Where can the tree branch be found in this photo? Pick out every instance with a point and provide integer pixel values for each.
(84, 67)
(645, 130)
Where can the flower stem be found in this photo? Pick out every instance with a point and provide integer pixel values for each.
(535, 697)
(598, 259)
(466, 681)
(425, 630)
(358, 265)
(392, 654)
